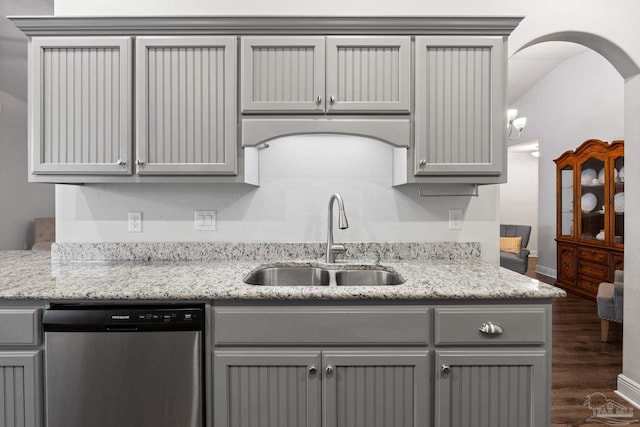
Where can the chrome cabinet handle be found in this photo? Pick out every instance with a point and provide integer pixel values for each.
(332, 100)
(445, 369)
(312, 370)
(490, 328)
(121, 162)
(139, 162)
(329, 370)
(319, 100)
(423, 162)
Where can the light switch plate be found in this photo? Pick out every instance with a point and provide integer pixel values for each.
(455, 219)
(205, 220)
(135, 222)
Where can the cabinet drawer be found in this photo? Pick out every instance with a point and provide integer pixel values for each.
(589, 285)
(596, 271)
(461, 326)
(19, 326)
(326, 325)
(594, 255)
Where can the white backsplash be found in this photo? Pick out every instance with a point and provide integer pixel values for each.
(297, 176)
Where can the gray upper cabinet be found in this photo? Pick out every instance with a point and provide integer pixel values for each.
(369, 74)
(283, 74)
(80, 105)
(459, 107)
(185, 105)
(357, 74)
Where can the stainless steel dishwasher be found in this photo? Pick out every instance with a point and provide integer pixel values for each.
(119, 366)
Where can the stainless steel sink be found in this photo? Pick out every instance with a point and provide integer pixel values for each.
(306, 275)
(367, 278)
(289, 276)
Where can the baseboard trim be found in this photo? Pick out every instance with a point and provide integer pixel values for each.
(629, 390)
(540, 269)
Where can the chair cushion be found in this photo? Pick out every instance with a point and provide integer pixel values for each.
(606, 308)
(510, 244)
(513, 262)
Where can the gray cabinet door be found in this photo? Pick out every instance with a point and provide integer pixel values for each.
(284, 74)
(375, 388)
(186, 106)
(460, 117)
(20, 389)
(492, 388)
(80, 105)
(369, 74)
(267, 388)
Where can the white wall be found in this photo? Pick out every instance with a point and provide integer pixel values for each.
(519, 196)
(297, 175)
(20, 202)
(582, 98)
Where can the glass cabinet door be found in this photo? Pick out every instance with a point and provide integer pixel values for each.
(566, 201)
(618, 201)
(592, 200)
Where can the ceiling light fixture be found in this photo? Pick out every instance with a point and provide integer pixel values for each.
(515, 124)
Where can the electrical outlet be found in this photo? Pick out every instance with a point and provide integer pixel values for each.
(135, 222)
(205, 220)
(455, 219)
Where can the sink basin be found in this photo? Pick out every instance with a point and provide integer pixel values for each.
(307, 275)
(289, 276)
(367, 278)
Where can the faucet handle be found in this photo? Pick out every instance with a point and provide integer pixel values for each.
(338, 248)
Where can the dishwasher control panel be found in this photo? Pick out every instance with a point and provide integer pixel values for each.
(123, 318)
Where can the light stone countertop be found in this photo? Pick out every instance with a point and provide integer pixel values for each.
(26, 275)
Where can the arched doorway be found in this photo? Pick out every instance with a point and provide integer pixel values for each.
(629, 379)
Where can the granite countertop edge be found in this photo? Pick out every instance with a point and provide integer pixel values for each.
(26, 275)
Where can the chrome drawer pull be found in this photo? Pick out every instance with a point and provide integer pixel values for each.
(312, 370)
(490, 328)
(445, 369)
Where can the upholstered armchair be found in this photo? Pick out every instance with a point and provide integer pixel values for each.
(44, 233)
(513, 257)
(610, 303)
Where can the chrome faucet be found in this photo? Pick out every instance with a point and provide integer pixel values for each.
(332, 248)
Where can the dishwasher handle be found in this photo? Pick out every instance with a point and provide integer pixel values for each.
(122, 329)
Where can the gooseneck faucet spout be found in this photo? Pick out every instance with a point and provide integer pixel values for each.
(333, 248)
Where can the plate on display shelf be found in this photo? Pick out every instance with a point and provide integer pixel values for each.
(618, 202)
(588, 202)
(588, 175)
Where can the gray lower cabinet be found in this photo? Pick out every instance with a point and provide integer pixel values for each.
(21, 376)
(20, 388)
(443, 365)
(313, 387)
(492, 388)
(460, 107)
(372, 388)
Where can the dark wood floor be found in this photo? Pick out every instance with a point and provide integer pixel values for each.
(582, 364)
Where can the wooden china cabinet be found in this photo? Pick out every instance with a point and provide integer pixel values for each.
(590, 215)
